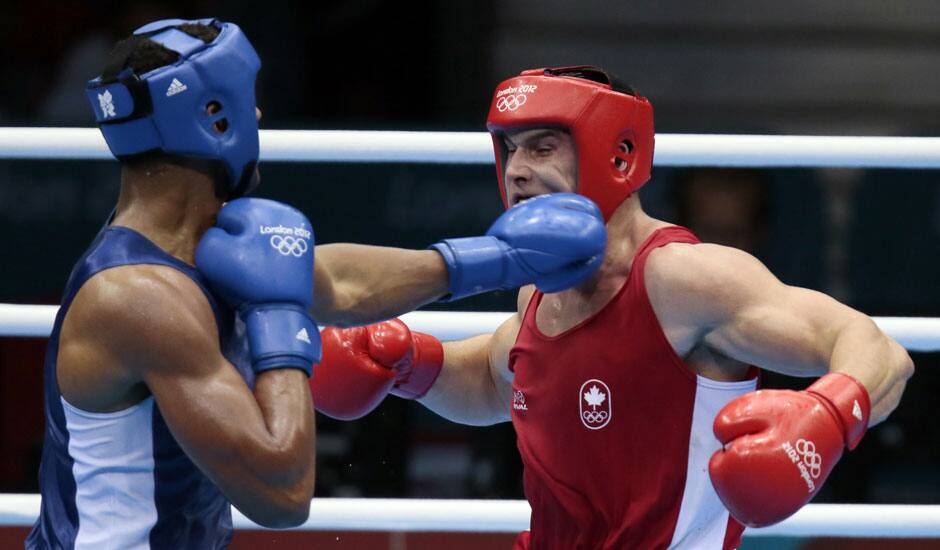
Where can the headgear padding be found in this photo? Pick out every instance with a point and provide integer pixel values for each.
(166, 109)
(612, 130)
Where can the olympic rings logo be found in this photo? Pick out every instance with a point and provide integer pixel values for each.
(289, 246)
(595, 416)
(811, 458)
(595, 404)
(510, 102)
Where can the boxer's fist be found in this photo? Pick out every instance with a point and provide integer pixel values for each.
(361, 365)
(779, 446)
(259, 259)
(554, 241)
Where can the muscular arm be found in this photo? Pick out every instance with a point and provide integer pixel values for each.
(475, 385)
(259, 447)
(731, 302)
(357, 284)
(554, 240)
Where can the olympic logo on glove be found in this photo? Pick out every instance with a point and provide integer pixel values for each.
(811, 458)
(510, 102)
(289, 246)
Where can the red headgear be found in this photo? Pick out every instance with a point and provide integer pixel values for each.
(612, 130)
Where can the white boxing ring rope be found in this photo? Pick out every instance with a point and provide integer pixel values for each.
(476, 148)
(501, 516)
(512, 516)
(914, 333)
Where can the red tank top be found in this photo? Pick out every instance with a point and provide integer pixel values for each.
(615, 431)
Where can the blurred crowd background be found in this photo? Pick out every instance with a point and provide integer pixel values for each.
(868, 237)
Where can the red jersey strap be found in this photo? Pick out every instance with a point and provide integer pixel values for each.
(528, 322)
(660, 237)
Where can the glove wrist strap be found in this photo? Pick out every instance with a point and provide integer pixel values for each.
(281, 336)
(474, 265)
(428, 360)
(849, 402)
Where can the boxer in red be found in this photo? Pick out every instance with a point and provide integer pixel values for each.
(634, 394)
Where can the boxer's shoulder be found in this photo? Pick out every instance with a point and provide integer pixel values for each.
(122, 321)
(130, 309)
(706, 274)
(127, 289)
(693, 288)
(699, 262)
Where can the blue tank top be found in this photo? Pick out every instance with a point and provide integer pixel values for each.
(120, 479)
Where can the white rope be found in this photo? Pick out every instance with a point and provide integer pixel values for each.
(914, 333)
(476, 148)
(26, 320)
(512, 516)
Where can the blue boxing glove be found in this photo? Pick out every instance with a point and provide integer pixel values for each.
(259, 259)
(554, 241)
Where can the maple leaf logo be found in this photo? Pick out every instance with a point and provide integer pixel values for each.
(594, 397)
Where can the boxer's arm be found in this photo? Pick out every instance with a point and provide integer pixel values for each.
(475, 384)
(258, 447)
(358, 284)
(553, 241)
(729, 300)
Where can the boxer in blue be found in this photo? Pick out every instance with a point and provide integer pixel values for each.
(176, 376)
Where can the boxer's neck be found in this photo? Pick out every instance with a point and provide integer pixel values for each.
(170, 204)
(627, 228)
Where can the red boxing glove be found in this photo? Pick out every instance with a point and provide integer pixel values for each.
(779, 446)
(361, 365)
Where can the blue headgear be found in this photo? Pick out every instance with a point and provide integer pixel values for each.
(165, 109)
